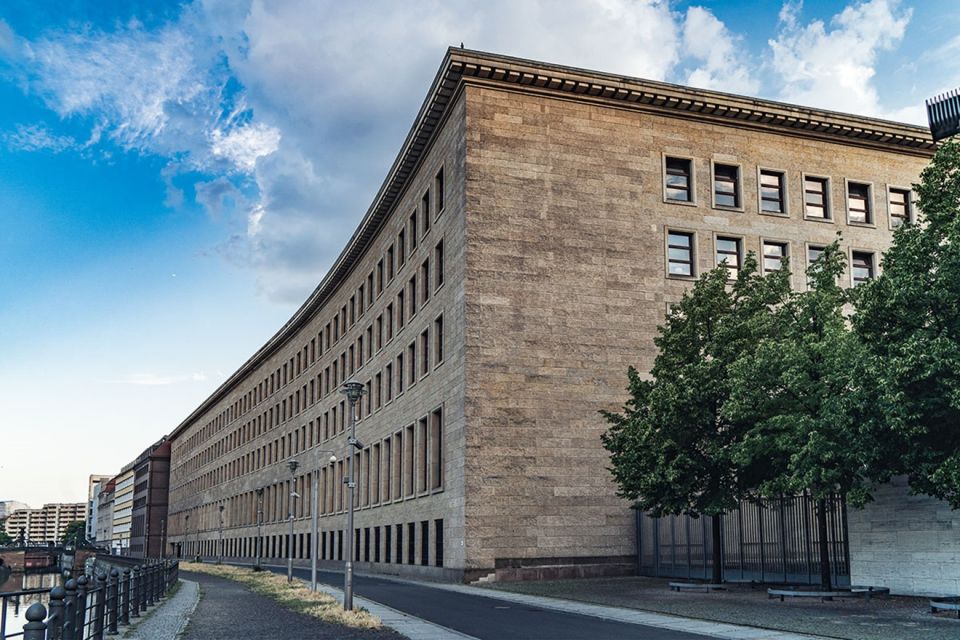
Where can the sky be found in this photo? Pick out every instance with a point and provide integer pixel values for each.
(177, 177)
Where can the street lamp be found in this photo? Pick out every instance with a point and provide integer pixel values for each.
(292, 465)
(186, 532)
(353, 390)
(314, 515)
(257, 567)
(220, 555)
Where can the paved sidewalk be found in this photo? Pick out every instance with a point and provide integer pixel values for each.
(228, 611)
(166, 620)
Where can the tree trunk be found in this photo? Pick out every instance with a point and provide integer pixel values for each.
(717, 576)
(825, 582)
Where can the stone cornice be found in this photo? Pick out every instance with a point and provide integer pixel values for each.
(462, 66)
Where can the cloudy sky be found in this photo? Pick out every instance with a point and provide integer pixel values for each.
(176, 178)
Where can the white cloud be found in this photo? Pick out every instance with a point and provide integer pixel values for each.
(833, 68)
(36, 137)
(707, 40)
(244, 145)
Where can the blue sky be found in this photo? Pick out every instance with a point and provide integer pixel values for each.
(176, 177)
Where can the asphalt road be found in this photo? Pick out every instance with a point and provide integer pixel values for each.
(490, 618)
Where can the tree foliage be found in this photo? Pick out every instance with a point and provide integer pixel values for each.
(672, 447)
(75, 532)
(5, 538)
(909, 320)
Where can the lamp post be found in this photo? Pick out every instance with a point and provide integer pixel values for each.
(186, 532)
(257, 566)
(220, 554)
(353, 390)
(314, 516)
(292, 465)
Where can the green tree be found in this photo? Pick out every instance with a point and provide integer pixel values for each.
(5, 538)
(75, 532)
(805, 396)
(671, 446)
(909, 319)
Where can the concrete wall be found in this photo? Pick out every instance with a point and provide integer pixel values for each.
(910, 544)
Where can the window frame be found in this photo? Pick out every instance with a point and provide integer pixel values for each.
(827, 197)
(717, 237)
(694, 253)
(763, 256)
(910, 204)
(737, 187)
(874, 265)
(692, 188)
(871, 212)
(806, 258)
(784, 192)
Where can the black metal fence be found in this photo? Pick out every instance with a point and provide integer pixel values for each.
(771, 541)
(90, 606)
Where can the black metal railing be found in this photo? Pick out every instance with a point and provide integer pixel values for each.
(773, 540)
(91, 606)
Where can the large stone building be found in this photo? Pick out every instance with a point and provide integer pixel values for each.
(46, 525)
(515, 262)
(150, 492)
(93, 503)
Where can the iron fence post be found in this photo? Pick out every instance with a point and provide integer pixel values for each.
(80, 623)
(142, 602)
(55, 618)
(100, 609)
(125, 597)
(158, 590)
(36, 628)
(70, 610)
(151, 585)
(135, 608)
(113, 601)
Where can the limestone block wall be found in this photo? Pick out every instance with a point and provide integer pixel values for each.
(908, 543)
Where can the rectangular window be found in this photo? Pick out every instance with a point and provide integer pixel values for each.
(425, 352)
(387, 472)
(425, 280)
(360, 301)
(858, 203)
(730, 251)
(813, 253)
(387, 544)
(678, 180)
(438, 265)
(389, 263)
(399, 529)
(425, 207)
(388, 316)
(389, 382)
(862, 267)
(815, 199)
(438, 542)
(380, 332)
(400, 373)
(401, 309)
(423, 469)
(379, 390)
(409, 448)
(411, 543)
(899, 204)
(412, 229)
(773, 255)
(401, 248)
(397, 465)
(370, 292)
(772, 192)
(353, 310)
(439, 191)
(412, 362)
(438, 340)
(425, 542)
(380, 276)
(726, 185)
(680, 253)
(412, 287)
(436, 449)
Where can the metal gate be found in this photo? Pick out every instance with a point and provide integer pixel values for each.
(773, 540)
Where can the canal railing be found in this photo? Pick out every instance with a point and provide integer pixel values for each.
(92, 605)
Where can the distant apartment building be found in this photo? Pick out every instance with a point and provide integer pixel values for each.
(122, 511)
(104, 527)
(9, 506)
(93, 489)
(150, 490)
(46, 525)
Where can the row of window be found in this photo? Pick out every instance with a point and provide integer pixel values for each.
(369, 545)
(388, 267)
(409, 366)
(405, 465)
(679, 187)
(728, 250)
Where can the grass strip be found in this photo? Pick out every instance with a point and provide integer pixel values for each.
(293, 595)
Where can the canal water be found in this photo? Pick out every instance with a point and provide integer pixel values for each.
(14, 608)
